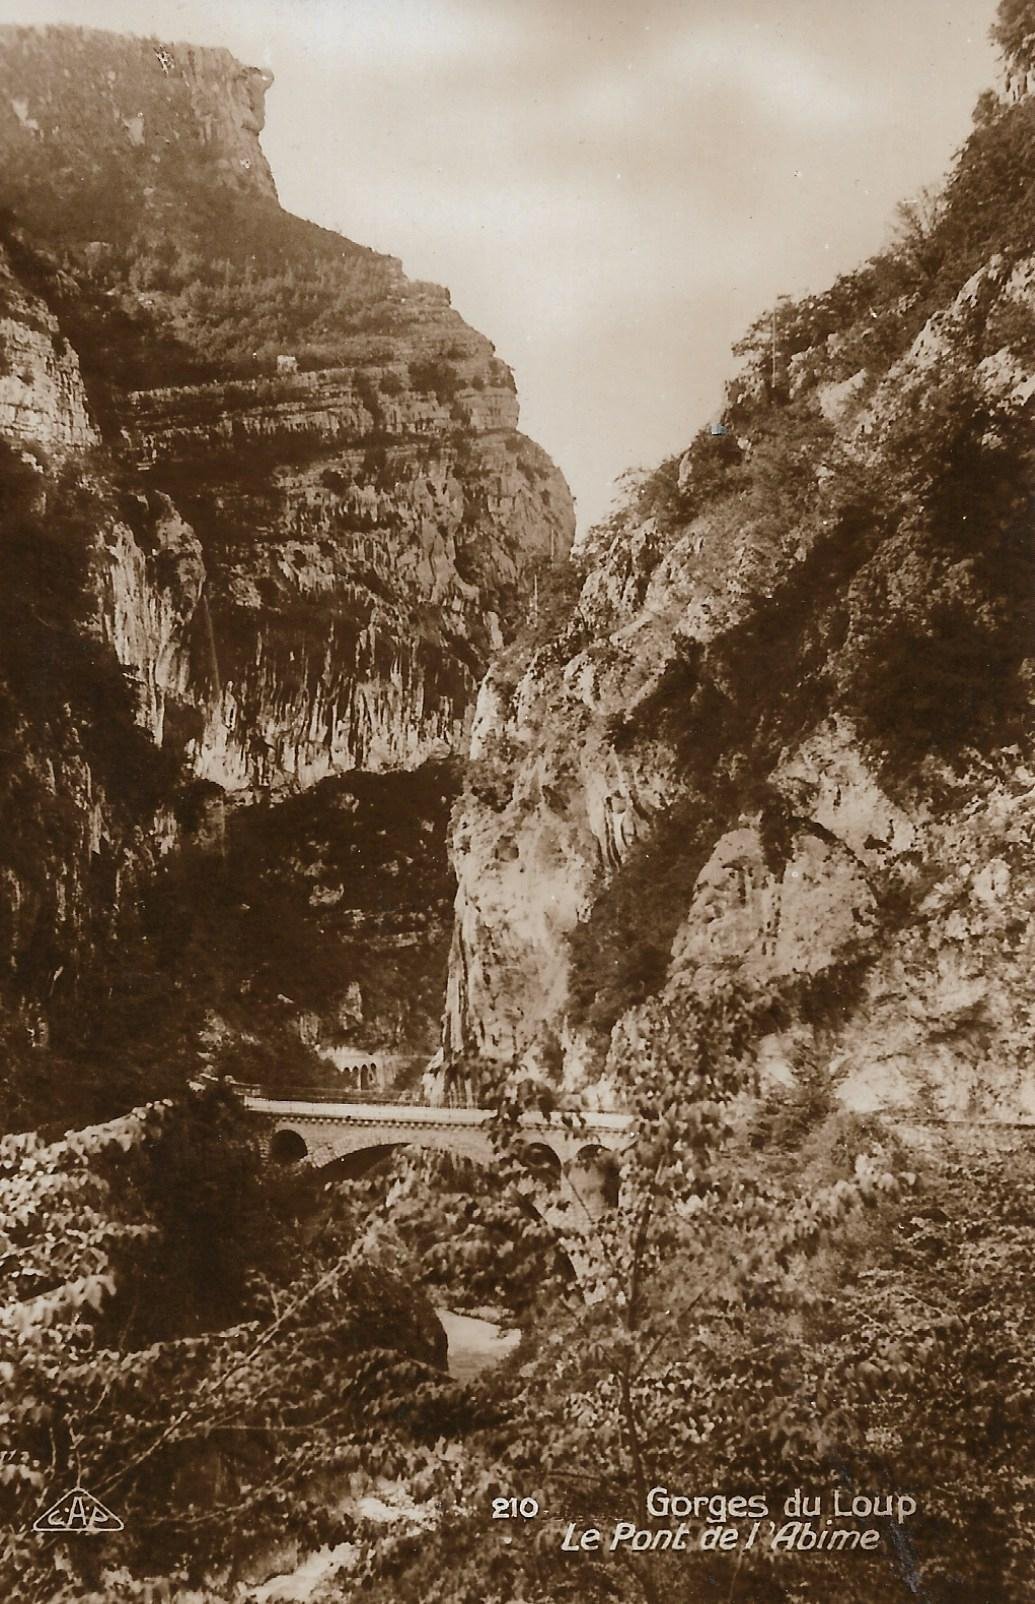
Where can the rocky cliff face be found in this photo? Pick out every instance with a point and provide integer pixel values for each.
(42, 399)
(345, 449)
(290, 509)
(779, 752)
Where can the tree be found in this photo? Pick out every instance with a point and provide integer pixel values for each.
(673, 1365)
(720, 1347)
(916, 235)
(1014, 33)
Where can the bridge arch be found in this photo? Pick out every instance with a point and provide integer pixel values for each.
(352, 1166)
(288, 1146)
(571, 1168)
(539, 1192)
(351, 1151)
(542, 1161)
(595, 1169)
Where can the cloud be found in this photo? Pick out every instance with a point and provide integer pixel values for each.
(752, 64)
(399, 38)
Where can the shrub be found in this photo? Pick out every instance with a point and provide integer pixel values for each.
(433, 376)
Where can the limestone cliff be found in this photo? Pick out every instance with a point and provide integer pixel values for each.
(114, 123)
(42, 398)
(779, 751)
(344, 446)
(267, 512)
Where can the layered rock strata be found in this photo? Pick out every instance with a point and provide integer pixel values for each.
(346, 448)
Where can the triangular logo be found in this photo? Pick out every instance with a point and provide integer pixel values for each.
(77, 1511)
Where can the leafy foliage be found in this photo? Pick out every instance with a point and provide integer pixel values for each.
(768, 1306)
(323, 1364)
(767, 1309)
(1014, 32)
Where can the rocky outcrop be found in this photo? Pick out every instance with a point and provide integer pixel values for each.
(351, 603)
(328, 930)
(149, 582)
(42, 399)
(85, 794)
(126, 120)
(780, 751)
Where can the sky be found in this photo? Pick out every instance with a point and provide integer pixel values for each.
(612, 190)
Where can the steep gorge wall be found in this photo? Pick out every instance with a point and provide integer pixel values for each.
(266, 511)
(114, 123)
(780, 752)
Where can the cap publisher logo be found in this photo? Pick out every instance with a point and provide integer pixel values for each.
(77, 1511)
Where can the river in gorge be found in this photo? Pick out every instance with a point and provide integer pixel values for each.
(475, 1345)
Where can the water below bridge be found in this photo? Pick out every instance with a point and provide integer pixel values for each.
(475, 1343)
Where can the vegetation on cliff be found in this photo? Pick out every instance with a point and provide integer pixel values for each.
(819, 615)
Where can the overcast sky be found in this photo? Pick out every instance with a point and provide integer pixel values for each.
(611, 189)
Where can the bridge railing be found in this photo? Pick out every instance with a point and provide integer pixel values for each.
(324, 1094)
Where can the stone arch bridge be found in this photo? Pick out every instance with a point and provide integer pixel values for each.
(569, 1161)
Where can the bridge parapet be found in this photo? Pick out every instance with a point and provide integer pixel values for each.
(574, 1126)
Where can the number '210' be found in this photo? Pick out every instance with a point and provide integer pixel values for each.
(512, 1508)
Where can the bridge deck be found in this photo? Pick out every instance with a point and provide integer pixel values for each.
(425, 1114)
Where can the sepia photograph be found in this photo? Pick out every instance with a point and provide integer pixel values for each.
(517, 802)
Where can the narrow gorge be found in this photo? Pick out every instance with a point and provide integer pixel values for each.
(420, 923)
